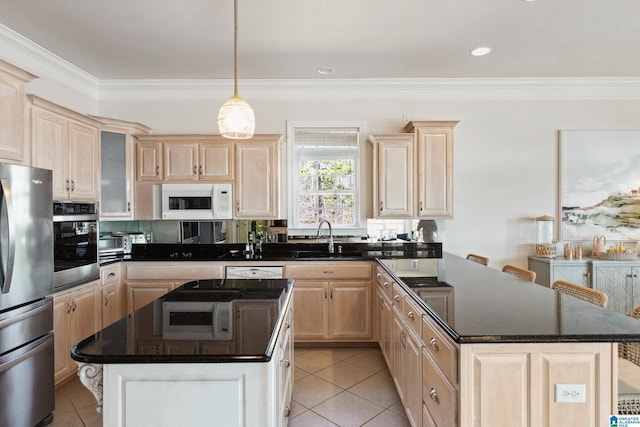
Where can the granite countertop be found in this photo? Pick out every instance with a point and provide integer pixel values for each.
(491, 306)
(143, 336)
(285, 251)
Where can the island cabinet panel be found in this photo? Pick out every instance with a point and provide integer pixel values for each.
(238, 394)
(334, 301)
(514, 384)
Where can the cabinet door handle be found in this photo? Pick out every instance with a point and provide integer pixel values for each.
(396, 298)
(195, 169)
(200, 170)
(403, 339)
(287, 412)
(66, 185)
(238, 207)
(381, 206)
(410, 315)
(433, 394)
(378, 275)
(157, 170)
(128, 206)
(111, 275)
(287, 325)
(386, 284)
(331, 293)
(286, 363)
(73, 185)
(327, 272)
(68, 307)
(106, 300)
(74, 305)
(434, 344)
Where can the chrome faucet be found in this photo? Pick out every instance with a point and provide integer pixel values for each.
(330, 234)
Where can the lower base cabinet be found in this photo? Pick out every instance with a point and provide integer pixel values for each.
(76, 315)
(190, 394)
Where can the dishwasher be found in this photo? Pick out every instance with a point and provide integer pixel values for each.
(253, 272)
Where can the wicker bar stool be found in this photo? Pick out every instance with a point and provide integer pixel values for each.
(478, 258)
(593, 296)
(521, 273)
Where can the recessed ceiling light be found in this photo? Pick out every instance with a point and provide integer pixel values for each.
(326, 70)
(480, 51)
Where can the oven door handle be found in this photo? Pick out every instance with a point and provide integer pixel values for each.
(6, 273)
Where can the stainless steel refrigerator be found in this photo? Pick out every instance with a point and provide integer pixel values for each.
(26, 308)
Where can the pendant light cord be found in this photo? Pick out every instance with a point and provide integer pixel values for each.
(235, 48)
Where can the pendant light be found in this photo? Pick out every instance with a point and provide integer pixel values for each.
(235, 118)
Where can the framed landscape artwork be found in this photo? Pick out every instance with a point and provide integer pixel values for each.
(599, 185)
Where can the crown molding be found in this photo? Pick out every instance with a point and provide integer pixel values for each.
(426, 89)
(22, 52)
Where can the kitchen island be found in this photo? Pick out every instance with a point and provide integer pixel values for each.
(210, 350)
(500, 352)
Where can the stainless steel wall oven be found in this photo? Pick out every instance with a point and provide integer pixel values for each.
(75, 244)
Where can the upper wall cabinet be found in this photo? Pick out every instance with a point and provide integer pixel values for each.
(434, 162)
(68, 143)
(182, 158)
(13, 142)
(393, 158)
(257, 183)
(413, 172)
(117, 151)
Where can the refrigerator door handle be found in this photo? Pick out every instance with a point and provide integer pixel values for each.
(5, 275)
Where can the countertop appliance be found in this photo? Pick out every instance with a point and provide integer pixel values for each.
(196, 201)
(75, 244)
(26, 309)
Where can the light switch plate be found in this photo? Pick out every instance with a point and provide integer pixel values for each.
(571, 393)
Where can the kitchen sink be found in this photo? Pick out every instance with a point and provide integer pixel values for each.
(324, 254)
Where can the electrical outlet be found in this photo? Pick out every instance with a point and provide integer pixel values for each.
(571, 393)
(415, 264)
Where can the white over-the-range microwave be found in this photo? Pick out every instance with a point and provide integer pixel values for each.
(196, 201)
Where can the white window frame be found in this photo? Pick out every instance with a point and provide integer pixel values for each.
(360, 228)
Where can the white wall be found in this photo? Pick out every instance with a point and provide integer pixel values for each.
(505, 154)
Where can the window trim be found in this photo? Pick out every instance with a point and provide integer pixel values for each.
(361, 222)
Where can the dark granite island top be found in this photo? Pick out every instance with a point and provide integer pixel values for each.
(490, 306)
(172, 329)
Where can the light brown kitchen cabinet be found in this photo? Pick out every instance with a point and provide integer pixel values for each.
(13, 142)
(393, 177)
(112, 300)
(257, 178)
(68, 143)
(117, 159)
(333, 301)
(434, 167)
(76, 315)
(206, 159)
(149, 160)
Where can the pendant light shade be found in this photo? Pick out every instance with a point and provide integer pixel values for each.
(235, 118)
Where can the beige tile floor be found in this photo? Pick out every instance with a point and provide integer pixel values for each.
(332, 387)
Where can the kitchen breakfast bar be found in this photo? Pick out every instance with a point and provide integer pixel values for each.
(498, 352)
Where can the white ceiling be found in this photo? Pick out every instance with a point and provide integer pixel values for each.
(291, 39)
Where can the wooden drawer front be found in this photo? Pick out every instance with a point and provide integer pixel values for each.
(110, 275)
(443, 350)
(326, 271)
(385, 281)
(398, 296)
(413, 315)
(438, 394)
(181, 270)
